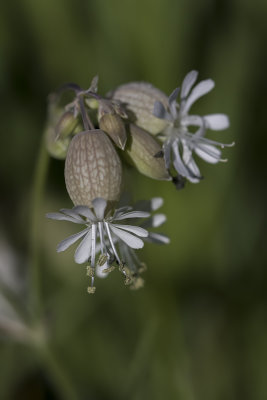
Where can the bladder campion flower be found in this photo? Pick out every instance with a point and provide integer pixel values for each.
(104, 228)
(176, 136)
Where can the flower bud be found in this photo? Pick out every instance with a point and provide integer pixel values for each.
(67, 125)
(112, 124)
(59, 129)
(142, 150)
(56, 148)
(139, 99)
(92, 168)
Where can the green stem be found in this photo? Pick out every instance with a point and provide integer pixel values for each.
(141, 356)
(36, 230)
(37, 337)
(61, 381)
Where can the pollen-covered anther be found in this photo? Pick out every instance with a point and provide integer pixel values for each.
(128, 280)
(109, 269)
(142, 268)
(91, 289)
(102, 260)
(90, 271)
(137, 283)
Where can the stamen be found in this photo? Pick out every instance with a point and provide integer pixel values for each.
(196, 139)
(94, 230)
(102, 260)
(91, 289)
(111, 242)
(209, 152)
(101, 237)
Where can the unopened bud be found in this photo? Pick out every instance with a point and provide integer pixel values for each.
(59, 130)
(139, 99)
(67, 125)
(56, 148)
(91, 103)
(92, 168)
(112, 124)
(141, 150)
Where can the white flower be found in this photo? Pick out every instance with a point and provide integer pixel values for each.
(135, 266)
(101, 233)
(177, 138)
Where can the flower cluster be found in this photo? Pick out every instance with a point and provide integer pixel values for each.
(152, 133)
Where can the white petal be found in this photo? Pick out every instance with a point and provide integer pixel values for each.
(128, 238)
(194, 120)
(187, 152)
(121, 211)
(71, 213)
(85, 212)
(83, 251)
(167, 153)
(156, 202)
(99, 207)
(66, 243)
(159, 111)
(188, 82)
(199, 90)
(190, 164)
(137, 230)
(133, 214)
(217, 122)
(173, 95)
(177, 162)
(172, 102)
(208, 153)
(62, 217)
(158, 238)
(158, 219)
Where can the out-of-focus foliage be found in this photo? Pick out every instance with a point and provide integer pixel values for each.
(198, 330)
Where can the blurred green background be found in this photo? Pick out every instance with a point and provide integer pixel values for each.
(198, 330)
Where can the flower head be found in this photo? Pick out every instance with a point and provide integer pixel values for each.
(102, 230)
(179, 143)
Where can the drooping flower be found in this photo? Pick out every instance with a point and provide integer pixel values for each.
(179, 142)
(103, 230)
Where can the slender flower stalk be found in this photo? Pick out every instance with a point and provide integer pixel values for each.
(179, 143)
